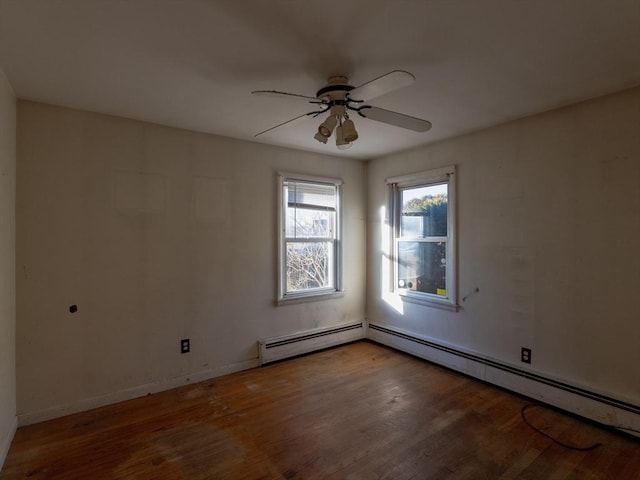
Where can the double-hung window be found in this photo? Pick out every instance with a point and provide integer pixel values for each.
(309, 237)
(423, 213)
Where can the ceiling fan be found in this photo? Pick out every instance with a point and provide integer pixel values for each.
(339, 98)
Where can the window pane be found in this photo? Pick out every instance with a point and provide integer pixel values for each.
(301, 223)
(424, 211)
(422, 267)
(311, 194)
(308, 265)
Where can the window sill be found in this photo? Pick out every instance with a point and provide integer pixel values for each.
(429, 301)
(309, 297)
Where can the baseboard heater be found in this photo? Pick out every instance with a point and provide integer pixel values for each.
(579, 400)
(278, 348)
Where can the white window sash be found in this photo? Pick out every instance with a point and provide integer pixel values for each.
(423, 239)
(335, 252)
(414, 180)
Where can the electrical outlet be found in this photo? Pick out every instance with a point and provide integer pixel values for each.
(184, 345)
(525, 355)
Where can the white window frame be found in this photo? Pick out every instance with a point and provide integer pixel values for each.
(415, 180)
(332, 291)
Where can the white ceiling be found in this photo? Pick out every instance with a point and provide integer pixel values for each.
(193, 63)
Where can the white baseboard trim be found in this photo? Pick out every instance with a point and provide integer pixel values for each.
(5, 440)
(28, 418)
(621, 414)
(286, 346)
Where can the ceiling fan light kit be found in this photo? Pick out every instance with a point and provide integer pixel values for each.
(341, 143)
(326, 128)
(344, 128)
(349, 131)
(338, 96)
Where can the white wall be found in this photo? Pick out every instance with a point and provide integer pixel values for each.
(156, 234)
(7, 265)
(141, 227)
(549, 230)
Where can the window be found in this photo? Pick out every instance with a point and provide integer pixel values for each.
(309, 237)
(423, 217)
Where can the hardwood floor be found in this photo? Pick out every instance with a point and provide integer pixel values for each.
(359, 411)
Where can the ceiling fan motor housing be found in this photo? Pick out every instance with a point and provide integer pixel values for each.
(336, 89)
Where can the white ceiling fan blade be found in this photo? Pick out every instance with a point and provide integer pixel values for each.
(395, 118)
(277, 94)
(288, 123)
(381, 85)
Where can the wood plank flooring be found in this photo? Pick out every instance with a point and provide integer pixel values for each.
(360, 411)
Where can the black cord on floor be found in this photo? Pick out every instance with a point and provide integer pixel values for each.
(566, 445)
